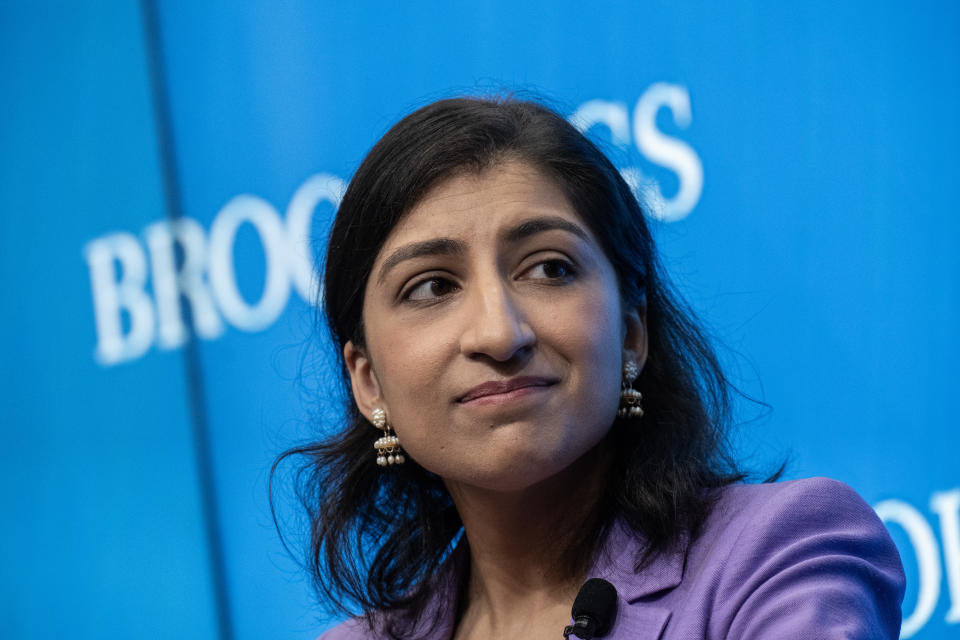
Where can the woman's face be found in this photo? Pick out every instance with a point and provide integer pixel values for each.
(495, 334)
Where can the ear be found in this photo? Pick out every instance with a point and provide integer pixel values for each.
(363, 381)
(635, 335)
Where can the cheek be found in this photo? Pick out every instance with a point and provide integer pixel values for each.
(408, 364)
(597, 354)
(590, 330)
(587, 335)
(403, 353)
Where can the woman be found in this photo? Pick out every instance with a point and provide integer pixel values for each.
(548, 412)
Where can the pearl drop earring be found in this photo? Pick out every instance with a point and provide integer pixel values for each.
(630, 398)
(387, 445)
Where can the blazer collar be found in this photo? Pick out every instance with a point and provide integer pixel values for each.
(636, 618)
(617, 559)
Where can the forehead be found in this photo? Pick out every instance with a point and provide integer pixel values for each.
(472, 204)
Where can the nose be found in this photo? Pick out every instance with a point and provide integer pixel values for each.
(496, 326)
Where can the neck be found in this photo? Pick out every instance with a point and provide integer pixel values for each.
(521, 543)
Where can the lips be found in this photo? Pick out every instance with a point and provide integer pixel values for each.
(506, 386)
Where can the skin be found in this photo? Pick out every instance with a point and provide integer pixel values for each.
(493, 277)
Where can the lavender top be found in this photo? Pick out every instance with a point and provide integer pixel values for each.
(802, 559)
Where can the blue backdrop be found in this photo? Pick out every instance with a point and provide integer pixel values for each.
(168, 170)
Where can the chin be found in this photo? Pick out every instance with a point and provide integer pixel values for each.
(514, 471)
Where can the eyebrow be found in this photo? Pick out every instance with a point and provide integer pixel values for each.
(540, 224)
(451, 247)
(435, 247)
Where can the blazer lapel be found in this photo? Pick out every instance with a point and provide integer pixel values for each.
(639, 623)
(638, 617)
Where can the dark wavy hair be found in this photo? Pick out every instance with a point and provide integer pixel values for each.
(378, 536)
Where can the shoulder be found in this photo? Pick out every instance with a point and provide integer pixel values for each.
(352, 629)
(434, 621)
(816, 502)
(826, 513)
(799, 555)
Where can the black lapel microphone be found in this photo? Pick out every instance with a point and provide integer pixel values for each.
(594, 610)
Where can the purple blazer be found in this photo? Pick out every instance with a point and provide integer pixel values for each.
(805, 559)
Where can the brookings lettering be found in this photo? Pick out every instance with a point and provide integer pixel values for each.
(657, 147)
(204, 275)
(122, 265)
(928, 576)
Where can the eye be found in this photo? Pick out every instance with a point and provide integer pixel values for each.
(555, 269)
(429, 289)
